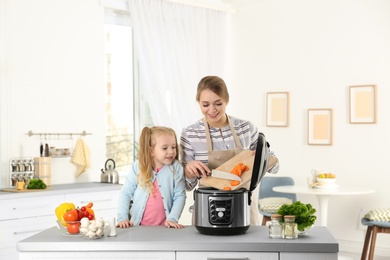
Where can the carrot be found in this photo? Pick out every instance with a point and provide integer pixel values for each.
(239, 169)
(234, 182)
(227, 188)
(89, 205)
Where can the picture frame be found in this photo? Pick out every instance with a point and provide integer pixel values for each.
(362, 104)
(278, 110)
(320, 126)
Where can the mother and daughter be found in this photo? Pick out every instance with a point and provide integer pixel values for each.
(157, 182)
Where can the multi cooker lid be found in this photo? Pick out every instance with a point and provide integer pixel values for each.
(261, 161)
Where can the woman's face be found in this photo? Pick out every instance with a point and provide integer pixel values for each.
(213, 108)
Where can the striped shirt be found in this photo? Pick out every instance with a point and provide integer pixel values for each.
(193, 144)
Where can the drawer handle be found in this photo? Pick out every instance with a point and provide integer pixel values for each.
(28, 231)
(241, 258)
(29, 208)
(82, 202)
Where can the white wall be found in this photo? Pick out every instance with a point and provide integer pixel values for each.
(315, 50)
(52, 80)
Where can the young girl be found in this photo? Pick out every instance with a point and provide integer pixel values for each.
(155, 183)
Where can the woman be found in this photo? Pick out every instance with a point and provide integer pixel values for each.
(217, 137)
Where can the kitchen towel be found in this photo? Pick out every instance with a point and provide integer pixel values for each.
(81, 156)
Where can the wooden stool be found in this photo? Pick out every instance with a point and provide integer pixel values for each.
(373, 228)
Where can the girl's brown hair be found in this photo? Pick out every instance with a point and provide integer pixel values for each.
(216, 85)
(147, 141)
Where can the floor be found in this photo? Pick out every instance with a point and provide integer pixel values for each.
(356, 256)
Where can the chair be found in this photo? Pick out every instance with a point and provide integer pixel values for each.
(265, 191)
(373, 228)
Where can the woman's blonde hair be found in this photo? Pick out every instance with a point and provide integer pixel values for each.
(147, 141)
(216, 85)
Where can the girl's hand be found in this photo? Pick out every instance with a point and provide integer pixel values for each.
(170, 223)
(196, 169)
(125, 224)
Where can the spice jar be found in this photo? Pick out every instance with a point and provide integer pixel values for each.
(20, 185)
(290, 227)
(275, 228)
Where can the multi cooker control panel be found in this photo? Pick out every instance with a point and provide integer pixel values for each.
(220, 210)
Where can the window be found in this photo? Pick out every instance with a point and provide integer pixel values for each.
(127, 112)
(119, 96)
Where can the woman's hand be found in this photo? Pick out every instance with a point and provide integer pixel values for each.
(125, 224)
(196, 169)
(170, 223)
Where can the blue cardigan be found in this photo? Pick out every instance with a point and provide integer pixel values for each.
(172, 187)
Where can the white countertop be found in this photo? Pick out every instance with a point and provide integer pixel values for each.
(61, 189)
(159, 238)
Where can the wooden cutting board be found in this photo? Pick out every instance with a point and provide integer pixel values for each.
(247, 157)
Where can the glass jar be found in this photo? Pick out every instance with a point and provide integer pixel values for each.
(290, 227)
(275, 228)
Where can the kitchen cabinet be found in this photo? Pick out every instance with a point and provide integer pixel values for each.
(161, 243)
(104, 203)
(226, 255)
(101, 255)
(24, 214)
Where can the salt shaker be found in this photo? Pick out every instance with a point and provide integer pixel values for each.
(275, 228)
(112, 225)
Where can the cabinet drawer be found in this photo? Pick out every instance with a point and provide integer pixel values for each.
(13, 231)
(98, 255)
(101, 200)
(301, 256)
(227, 255)
(9, 253)
(29, 207)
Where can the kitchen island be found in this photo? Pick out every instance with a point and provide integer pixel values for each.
(143, 242)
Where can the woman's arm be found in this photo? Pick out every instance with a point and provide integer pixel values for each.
(193, 169)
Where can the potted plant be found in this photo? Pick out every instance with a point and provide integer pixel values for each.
(304, 214)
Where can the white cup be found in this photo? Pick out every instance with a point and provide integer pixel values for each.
(316, 172)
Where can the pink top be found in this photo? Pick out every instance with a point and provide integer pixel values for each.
(154, 214)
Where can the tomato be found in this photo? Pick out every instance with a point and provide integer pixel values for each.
(71, 215)
(90, 212)
(91, 217)
(83, 208)
(73, 227)
(80, 214)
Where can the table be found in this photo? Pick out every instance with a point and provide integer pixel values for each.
(323, 195)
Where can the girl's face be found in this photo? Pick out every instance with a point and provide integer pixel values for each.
(213, 108)
(164, 150)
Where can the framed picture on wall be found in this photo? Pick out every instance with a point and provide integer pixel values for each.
(362, 104)
(278, 109)
(320, 126)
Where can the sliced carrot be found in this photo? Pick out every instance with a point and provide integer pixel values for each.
(239, 168)
(227, 188)
(234, 182)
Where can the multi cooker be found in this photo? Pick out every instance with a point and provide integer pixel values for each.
(220, 212)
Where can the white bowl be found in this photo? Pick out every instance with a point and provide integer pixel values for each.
(326, 180)
(92, 237)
